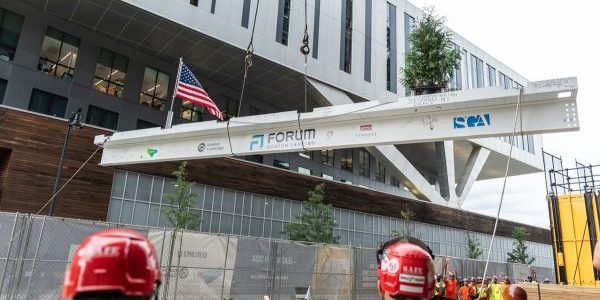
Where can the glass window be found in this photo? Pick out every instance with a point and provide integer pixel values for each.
(47, 103)
(226, 224)
(456, 82)
(110, 74)
(254, 158)
(477, 71)
(59, 53)
(3, 84)
(491, 75)
(10, 30)
(327, 157)
(463, 67)
(379, 171)
(246, 13)
(114, 209)
(231, 106)
(258, 206)
(363, 162)
(368, 24)
(102, 117)
(281, 164)
(278, 209)
(508, 82)
(191, 112)
(317, 17)
(304, 171)
(346, 44)
(283, 22)
(394, 181)
(155, 87)
(141, 124)
(140, 213)
(346, 159)
(213, 5)
(391, 55)
(228, 201)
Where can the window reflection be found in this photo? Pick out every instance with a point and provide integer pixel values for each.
(110, 74)
(59, 54)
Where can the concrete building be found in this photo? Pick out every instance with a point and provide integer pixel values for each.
(117, 60)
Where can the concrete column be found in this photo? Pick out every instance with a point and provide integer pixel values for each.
(475, 163)
(444, 161)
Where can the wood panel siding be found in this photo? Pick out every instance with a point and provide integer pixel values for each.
(36, 142)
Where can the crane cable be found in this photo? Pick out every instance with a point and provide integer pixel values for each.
(305, 50)
(518, 117)
(248, 57)
(247, 65)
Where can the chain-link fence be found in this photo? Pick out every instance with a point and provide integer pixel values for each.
(35, 252)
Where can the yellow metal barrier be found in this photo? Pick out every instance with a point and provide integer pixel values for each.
(573, 218)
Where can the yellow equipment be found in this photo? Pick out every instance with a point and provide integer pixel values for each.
(574, 221)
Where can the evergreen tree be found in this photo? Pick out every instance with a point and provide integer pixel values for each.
(473, 247)
(316, 222)
(432, 57)
(183, 199)
(519, 252)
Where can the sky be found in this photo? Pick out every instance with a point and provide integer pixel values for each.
(540, 40)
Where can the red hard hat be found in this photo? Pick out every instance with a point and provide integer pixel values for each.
(405, 269)
(113, 261)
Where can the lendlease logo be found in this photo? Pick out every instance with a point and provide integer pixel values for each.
(283, 139)
(472, 121)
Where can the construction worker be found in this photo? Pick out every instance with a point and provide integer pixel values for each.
(113, 264)
(483, 291)
(463, 291)
(495, 289)
(405, 270)
(438, 290)
(451, 283)
(505, 283)
(514, 292)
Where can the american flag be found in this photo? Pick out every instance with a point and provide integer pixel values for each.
(190, 89)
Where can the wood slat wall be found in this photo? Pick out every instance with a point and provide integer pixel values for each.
(36, 142)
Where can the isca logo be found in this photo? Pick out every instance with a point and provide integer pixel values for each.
(151, 152)
(257, 140)
(472, 121)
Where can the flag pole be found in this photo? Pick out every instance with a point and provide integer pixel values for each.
(170, 113)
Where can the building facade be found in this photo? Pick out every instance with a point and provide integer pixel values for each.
(117, 60)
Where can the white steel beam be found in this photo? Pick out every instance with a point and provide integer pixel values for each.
(546, 106)
(394, 160)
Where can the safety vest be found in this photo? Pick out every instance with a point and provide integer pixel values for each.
(495, 291)
(483, 291)
(451, 289)
(437, 290)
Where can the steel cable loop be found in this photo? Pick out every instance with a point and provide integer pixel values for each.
(57, 192)
(248, 60)
(516, 119)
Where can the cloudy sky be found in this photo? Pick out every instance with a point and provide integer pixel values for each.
(540, 40)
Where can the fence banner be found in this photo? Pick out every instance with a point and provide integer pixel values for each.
(196, 265)
(332, 273)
